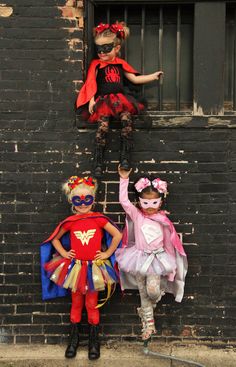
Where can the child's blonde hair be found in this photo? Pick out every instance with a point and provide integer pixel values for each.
(75, 182)
(118, 31)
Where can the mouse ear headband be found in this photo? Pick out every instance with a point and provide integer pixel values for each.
(75, 181)
(157, 183)
(116, 28)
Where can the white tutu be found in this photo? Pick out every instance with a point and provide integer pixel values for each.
(133, 260)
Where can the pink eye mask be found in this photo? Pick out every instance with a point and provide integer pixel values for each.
(150, 203)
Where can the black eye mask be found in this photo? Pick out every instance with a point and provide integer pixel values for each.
(105, 49)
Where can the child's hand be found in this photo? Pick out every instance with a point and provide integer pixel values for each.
(158, 74)
(91, 106)
(69, 254)
(101, 255)
(123, 173)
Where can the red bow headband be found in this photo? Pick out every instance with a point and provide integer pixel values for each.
(116, 28)
(74, 181)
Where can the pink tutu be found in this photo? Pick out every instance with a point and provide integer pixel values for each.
(133, 260)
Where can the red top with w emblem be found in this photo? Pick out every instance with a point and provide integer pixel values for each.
(86, 236)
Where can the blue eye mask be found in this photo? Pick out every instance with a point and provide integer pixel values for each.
(80, 200)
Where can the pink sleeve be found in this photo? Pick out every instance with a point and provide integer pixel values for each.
(128, 207)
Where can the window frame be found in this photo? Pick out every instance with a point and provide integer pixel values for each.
(203, 103)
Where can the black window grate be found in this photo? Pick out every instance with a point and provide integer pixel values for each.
(230, 60)
(161, 38)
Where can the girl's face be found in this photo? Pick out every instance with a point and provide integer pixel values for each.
(106, 49)
(82, 200)
(150, 202)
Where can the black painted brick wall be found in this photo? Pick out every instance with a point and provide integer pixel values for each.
(42, 146)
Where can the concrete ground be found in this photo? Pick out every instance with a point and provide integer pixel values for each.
(116, 354)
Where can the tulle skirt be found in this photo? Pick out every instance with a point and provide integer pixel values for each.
(114, 104)
(80, 275)
(133, 260)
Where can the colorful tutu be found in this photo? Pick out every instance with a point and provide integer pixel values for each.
(133, 260)
(81, 275)
(114, 104)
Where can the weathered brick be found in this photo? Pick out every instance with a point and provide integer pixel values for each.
(41, 68)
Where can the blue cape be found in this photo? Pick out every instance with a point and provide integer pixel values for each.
(50, 289)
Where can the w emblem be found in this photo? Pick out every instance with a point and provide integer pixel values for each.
(84, 236)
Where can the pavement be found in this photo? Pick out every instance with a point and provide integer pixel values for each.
(115, 354)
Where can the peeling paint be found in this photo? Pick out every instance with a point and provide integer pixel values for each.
(73, 11)
(197, 110)
(214, 121)
(176, 121)
(190, 297)
(73, 43)
(152, 161)
(5, 11)
(181, 162)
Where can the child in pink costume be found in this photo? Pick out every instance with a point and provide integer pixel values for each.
(152, 257)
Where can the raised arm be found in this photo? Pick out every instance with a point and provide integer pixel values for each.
(128, 207)
(143, 79)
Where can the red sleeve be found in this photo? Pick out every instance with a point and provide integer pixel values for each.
(102, 221)
(66, 226)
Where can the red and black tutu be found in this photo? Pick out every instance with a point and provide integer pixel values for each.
(113, 92)
(113, 105)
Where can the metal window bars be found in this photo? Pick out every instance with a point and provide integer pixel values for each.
(168, 28)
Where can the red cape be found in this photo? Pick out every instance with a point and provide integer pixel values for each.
(89, 88)
(49, 289)
(74, 218)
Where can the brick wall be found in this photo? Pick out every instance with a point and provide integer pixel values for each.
(41, 68)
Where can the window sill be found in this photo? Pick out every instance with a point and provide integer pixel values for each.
(158, 120)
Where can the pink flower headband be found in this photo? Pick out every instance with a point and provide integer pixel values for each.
(116, 28)
(157, 183)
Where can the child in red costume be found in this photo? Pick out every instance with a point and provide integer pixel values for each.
(104, 94)
(84, 268)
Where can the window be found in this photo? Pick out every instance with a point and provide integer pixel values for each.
(161, 38)
(230, 60)
(193, 42)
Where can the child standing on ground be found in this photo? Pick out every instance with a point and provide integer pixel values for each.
(104, 94)
(82, 266)
(153, 256)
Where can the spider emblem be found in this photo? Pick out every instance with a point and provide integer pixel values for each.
(112, 74)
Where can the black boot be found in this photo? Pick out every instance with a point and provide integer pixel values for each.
(94, 344)
(73, 341)
(126, 146)
(98, 161)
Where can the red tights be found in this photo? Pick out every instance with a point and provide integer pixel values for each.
(91, 301)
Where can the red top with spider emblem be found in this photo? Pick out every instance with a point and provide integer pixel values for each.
(106, 82)
(89, 88)
(110, 80)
